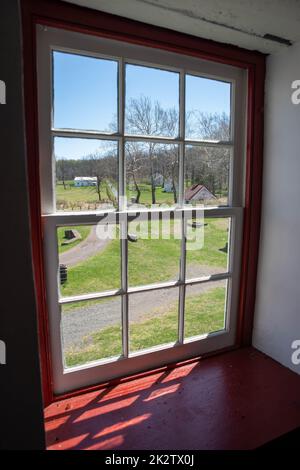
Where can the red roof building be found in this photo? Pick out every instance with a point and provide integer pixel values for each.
(198, 192)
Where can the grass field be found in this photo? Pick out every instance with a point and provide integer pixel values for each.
(150, 261)
(78, 198)
(161, 197)
(83, 230)
(86, 198)
(74, 197)
(204, 314)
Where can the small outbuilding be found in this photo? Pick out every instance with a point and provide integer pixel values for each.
(85, 181)
(198, 192)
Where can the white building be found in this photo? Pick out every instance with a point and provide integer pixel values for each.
(168, 186)
(158, 179)
(85, 181)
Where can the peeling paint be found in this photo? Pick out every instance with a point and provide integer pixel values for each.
(243, 23)
(192, 14)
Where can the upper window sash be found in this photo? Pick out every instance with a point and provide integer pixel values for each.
(53, 39)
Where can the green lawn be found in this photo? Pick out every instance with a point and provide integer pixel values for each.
(73, 194)
(98, 273)
(86, 198)
(83, 230)
(215, 239)
(150, 261)
(204, 314)
(146, 195)
(73, 198)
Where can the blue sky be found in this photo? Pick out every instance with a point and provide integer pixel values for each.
(86, 96)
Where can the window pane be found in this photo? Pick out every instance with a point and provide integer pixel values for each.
(152, 101)
(85, 92)
(86, 174)
(89, 259)
(207, 249)
(205, 306)
(153, 318)
(151, 174)
(153, 251)
(207, 109)
(91, 330)
(206, 175)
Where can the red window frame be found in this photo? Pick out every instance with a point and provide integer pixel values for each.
(70, 17)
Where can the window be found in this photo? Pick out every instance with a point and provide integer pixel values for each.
(142, 159)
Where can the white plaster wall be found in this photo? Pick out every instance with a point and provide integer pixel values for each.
(277, 313)
(240, 22)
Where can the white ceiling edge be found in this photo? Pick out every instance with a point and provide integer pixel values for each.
(226, 21)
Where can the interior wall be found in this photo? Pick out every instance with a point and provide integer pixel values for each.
(21, 412)
(277, 315)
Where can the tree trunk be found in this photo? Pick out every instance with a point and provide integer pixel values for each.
(99, 188)
(137, 189)
(153, 190)
(152, 178)
(174, 190)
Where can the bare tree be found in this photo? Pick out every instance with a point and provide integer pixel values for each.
(61, 171)
(211, 126)
(155, 162)
(97, 169)
(208, 166)
(143, 117)
(170, 162)
(134, 165)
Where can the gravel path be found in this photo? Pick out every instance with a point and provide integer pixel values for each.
(83, 321)
(85, 249)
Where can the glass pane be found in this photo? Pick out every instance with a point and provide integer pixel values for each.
(91, 330)
(85, 92)
(205, 308)
(153, 318)
(154, 250)
(151, 174)
(206, 175)
(152, 101)
(86, 174)
(89, 259)
(211, 255)
(207, 109)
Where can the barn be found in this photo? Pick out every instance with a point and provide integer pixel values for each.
(198, 192)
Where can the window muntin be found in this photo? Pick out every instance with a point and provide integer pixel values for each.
(126, 212)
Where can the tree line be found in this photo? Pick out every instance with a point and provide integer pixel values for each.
(154, 163)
